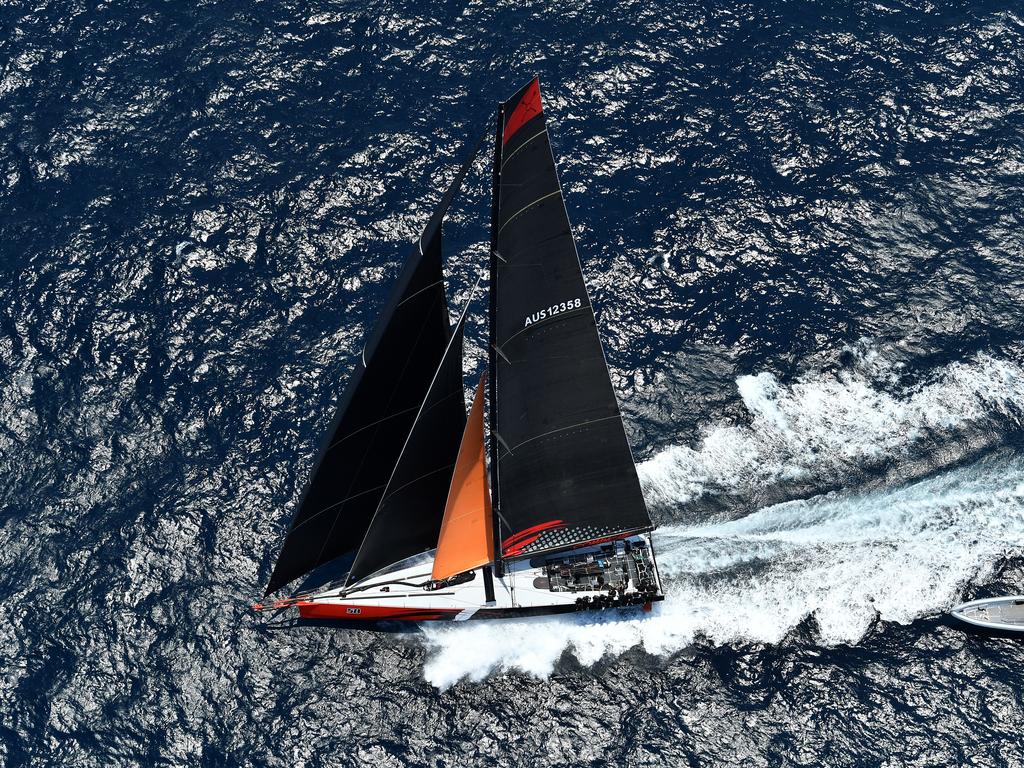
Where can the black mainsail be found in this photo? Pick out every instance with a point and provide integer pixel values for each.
(565, 474)
(377, 411)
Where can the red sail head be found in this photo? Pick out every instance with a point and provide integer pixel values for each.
(528, 107)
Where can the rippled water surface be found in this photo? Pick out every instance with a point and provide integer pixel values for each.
(801, 224)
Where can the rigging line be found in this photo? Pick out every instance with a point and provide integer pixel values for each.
(503, 519)
(501, 440)
(447, 397)
(563, 429)
(423, 612)
(500, 352)
(361, 584)
(513, 152)
(337, 504)
(403, 582)
(528, 205)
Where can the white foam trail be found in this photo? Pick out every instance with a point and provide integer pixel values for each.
(843, 557)
(823, 429)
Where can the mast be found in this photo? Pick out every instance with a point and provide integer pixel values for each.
(492, 346)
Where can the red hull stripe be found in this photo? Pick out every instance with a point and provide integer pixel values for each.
(528, 107)
(372, 612)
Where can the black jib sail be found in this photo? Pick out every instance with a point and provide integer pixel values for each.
(377, 411)
(408, 519)
(565, 474)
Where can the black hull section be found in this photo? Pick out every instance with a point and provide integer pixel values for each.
(485, 614)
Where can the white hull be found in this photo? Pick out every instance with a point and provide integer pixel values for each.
(1005, 614)
(582, 579)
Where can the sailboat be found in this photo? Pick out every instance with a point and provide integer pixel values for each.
(529, 504)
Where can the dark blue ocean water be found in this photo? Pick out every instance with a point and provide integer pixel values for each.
(801, 223)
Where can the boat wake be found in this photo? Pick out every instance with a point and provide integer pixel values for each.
(844, 558)
(829, 431)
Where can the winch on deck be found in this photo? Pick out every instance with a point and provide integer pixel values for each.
(623, 570)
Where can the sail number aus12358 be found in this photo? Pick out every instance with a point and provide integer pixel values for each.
(554, 309)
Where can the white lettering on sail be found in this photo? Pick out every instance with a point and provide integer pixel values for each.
(554, 309)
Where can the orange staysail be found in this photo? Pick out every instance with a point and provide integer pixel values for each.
(467, 537)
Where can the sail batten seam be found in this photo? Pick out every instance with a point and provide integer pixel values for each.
(512, 154)
(564, 429)
(529, 205)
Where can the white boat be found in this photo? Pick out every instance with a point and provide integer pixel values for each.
(1005, 614)
(615, 574)
(531, 504)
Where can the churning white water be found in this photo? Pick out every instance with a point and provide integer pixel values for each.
(822, 428)
(844, 557)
